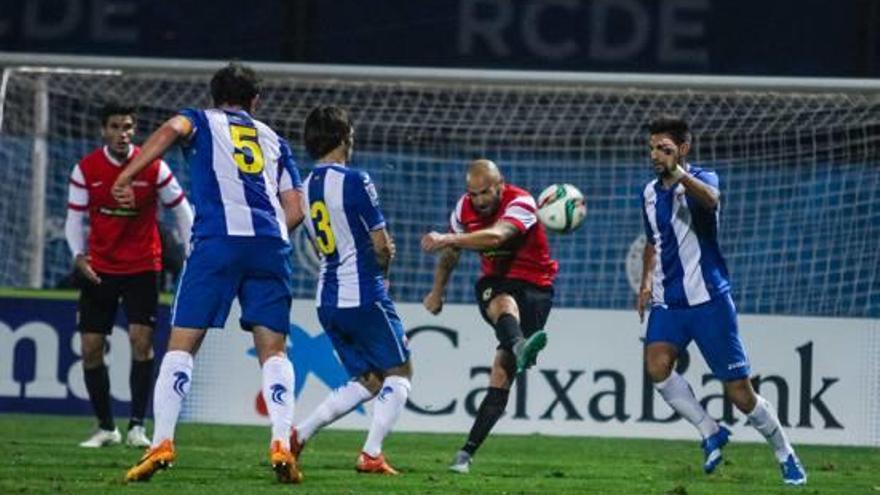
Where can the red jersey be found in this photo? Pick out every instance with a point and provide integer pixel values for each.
(121, 240)
(524, 257)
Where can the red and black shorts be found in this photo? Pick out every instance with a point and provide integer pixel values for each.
(98, 303)
(534, 302)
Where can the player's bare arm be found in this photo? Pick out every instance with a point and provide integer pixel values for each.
(488, 238)
(291, 202)
(157, 144)
(383, 246)
(649, 257)
(449, 257)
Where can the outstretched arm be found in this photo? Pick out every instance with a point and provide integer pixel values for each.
(157, 144)
(488, 238)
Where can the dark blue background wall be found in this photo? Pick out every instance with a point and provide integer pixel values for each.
(783, 37)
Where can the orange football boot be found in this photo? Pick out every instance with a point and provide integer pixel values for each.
(284, 464)
(156, 458)
(376, 465)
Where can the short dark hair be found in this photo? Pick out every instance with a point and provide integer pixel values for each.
(112, 108)
(326, 127)
(676, 127)
(235, 84)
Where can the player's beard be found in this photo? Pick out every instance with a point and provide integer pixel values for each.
(659, 169)
(490, 207)
(662, 171)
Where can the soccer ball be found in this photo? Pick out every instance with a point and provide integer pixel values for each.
(561, 208)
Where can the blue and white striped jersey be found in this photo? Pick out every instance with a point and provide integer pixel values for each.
(343, 208)
(238, 166)
(689, 269)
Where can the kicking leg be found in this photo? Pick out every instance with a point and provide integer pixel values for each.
(503, 311)
(337, 404)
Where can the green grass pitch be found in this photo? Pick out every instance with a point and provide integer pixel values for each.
(39, 455)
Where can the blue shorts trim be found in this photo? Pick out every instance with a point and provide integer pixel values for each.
(257, 270)
(366, 338)
(712, 326)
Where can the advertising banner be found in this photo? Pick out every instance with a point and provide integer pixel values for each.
(822, 374)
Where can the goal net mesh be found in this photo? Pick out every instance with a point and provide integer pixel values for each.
(800, 174)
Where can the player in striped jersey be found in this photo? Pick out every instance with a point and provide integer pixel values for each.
(349, 233)
(246, 193)
(120, 259)
(686, 284)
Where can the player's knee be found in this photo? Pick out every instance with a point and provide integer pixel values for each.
(404, 370)
(501, 305)
(659, 361)
(658, 368)
(141, 348)
(741, 393)
(371, 381)
(502, 373)
(92, 348)
(141, 351)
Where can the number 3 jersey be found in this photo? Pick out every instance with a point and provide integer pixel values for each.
(238, 166)
(343, 208)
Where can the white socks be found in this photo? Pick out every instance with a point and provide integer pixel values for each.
(389, 404)
(678, 394)
(172, 385)
(676, 391)
(337, 404)
(764, 419)
(278, 386)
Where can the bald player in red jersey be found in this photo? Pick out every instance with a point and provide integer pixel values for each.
(515, 288)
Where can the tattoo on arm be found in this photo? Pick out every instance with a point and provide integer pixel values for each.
(449, 258)
(509, 230)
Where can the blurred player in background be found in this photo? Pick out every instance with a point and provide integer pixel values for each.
(515, 290)
(686, 284)
(350, 235)
(246, 192)
(121, 259)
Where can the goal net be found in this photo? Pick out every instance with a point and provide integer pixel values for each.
(800, 172)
